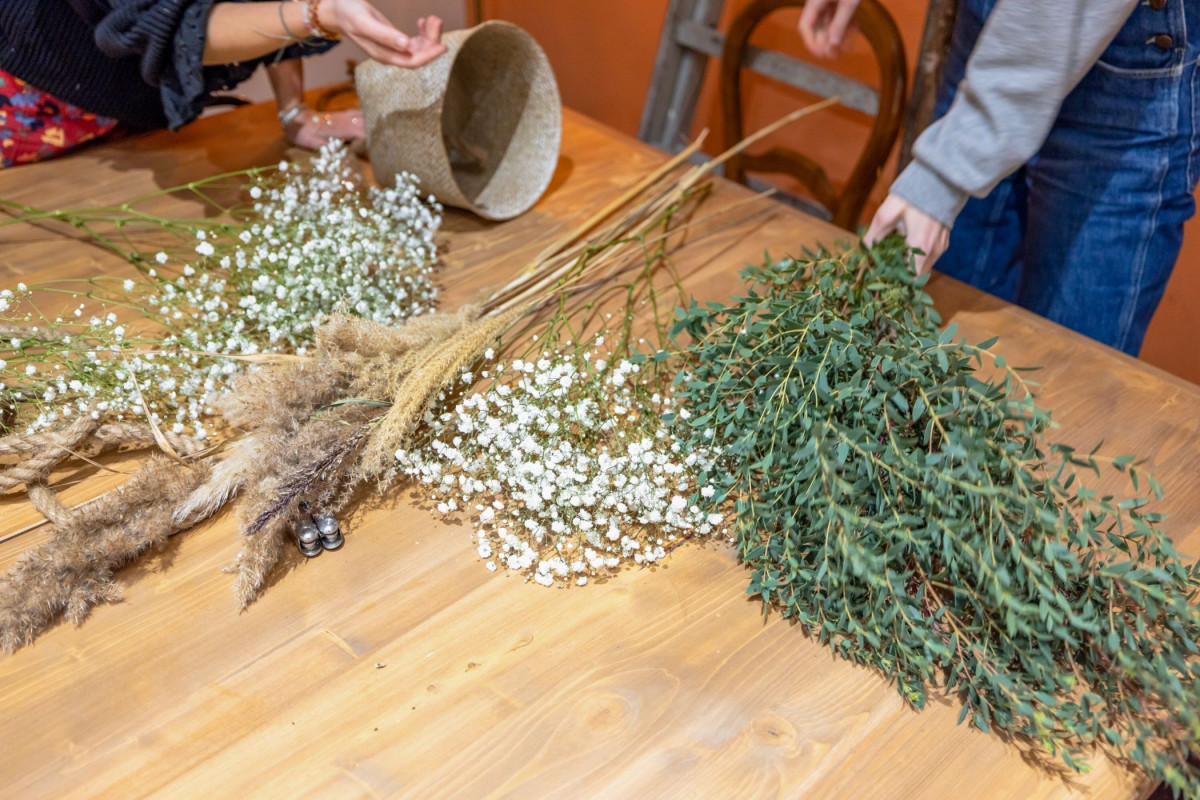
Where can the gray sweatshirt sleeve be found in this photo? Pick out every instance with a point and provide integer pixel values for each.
(1029, 56)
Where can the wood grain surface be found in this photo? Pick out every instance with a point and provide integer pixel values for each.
(400, 667)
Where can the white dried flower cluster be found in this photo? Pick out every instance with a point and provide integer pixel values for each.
(319, 239)
(566, 468)
(315, 240)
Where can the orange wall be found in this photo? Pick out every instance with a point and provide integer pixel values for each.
(604, 53)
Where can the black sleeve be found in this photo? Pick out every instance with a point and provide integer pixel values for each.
(168, 37)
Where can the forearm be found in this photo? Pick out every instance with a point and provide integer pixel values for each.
(287, 82)
(245, 31)
(1028, 58)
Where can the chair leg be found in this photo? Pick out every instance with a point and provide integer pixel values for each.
(927, 77)
(678, 76)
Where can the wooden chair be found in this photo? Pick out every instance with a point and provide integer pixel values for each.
(927, 73)
(880, 30)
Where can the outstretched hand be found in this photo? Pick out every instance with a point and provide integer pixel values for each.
(363, 24)
(921, 231)
(824, 24)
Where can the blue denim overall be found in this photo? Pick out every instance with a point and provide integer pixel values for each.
(1088, 231)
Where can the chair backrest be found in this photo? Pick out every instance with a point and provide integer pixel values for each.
(880, 31)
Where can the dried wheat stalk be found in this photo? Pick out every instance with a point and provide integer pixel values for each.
(73, 571)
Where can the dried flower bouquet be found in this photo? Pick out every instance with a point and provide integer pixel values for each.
(327, 421)
(905, 508)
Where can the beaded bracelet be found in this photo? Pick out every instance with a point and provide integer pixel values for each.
(288, 116)
(313, 21)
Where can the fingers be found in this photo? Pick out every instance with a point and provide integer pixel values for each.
(924, 234)
(315, 130)
(840, 23)
(431, 28)
(345, 125)
(308, 137)
(809, 22)
(426, 46)
(364, 25)
(373, 33)
(933, 245)
(920, 263)
(388, 46)
(421, 54)
(886, 220)
(824, 24)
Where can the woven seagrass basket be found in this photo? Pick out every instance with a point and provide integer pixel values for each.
(481, 126)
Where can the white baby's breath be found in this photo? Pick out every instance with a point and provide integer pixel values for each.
(570, 469)
(315, 240)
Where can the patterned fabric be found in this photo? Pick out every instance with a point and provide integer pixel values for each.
(35, 126)
(137, 61)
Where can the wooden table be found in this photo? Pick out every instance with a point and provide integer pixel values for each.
(400, 667)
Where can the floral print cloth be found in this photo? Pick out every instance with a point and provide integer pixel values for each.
(35, 126)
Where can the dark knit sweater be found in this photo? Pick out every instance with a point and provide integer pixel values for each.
(137, 61)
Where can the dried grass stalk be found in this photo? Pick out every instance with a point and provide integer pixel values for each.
(259, 557)
(320, 426)
(279, 398)
(371, 360)
(322, 459)
(319, 456)
(313, 465)
(73, 571)
(223, 484)
(437, 369)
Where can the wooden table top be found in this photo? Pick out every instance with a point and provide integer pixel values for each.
(400, 667)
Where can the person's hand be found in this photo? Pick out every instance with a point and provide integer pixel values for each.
(362, 24)
(824, 23)
(921, 231)
(313, 130)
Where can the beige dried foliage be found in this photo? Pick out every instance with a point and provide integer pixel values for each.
(370, 359)
(73, 571)
(259, 556)
(226, 479)
(437, 368)
(314, 465)
(307, 424)
(323, 425)
(280, 397)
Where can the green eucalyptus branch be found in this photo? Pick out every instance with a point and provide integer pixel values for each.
(910, 511)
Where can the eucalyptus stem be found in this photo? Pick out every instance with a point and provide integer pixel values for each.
(894, 490)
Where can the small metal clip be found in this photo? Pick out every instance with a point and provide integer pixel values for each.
(307, 535)
(330, 531)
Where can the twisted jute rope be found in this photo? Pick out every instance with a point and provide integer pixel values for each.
(34, 471)
(107, 435)
(42, 452)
